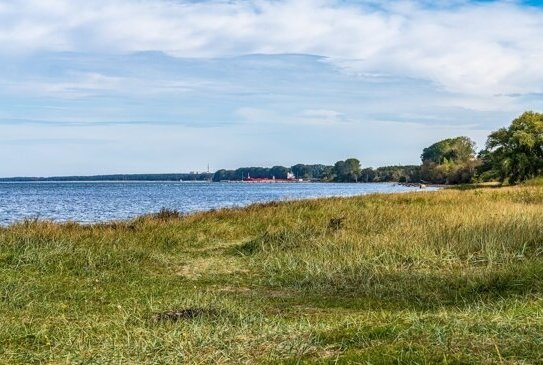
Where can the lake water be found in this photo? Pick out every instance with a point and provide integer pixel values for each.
(89, 202)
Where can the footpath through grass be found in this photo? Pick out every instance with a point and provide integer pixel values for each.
(439, 277)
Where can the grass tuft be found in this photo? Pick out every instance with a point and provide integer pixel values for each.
(184, 314)
(166, 214)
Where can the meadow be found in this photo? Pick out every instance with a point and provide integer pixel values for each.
(452, 277)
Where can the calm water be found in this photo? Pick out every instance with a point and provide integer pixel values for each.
(103, 201)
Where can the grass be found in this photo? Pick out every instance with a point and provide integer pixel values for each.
(451, 277)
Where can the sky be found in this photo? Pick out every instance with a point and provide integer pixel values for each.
(148, 86)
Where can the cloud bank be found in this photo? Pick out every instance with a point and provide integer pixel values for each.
(479, 48)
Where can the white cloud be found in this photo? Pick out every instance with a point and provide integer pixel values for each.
(81, 85)
(323, 116)
(477, 49)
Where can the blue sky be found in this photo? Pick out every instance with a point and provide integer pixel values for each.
(123, 86)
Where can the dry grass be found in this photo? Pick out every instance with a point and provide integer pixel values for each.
(443, 277)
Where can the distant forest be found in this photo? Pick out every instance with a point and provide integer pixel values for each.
(118, 177)
(342, 171)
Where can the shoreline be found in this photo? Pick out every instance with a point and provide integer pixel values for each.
(252, 205)
(213, 182)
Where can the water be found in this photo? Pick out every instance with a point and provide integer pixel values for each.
(89, 202)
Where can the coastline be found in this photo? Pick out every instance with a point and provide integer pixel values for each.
(91, 202)
(317, 274)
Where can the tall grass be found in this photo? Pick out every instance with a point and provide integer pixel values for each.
(442, 277)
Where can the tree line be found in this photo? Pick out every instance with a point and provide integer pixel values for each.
(119, 177)
(511, 154)
(349, 170)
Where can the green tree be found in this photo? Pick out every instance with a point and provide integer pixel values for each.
(348, 170)
(516, 153)
(450, 161)
(367, 175)
(308, 171)
(459, 149)
(279, 172)
(353, 168)
(329, 173)
(407, 173)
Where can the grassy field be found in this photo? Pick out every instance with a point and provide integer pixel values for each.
(454, 276)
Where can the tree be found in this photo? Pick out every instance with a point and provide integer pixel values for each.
(353, 168)
(450, 161)
(367, 175)
(329, 173)
(406, 173)
(302, 171)
(459, 149)
(348, 170)
(516, 153)
(279, 172)
(339, 171)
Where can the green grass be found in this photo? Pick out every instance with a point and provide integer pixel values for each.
(451, 277)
